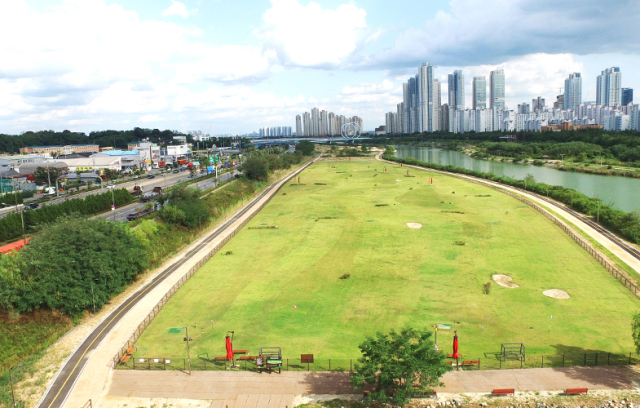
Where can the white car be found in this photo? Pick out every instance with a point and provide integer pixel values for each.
(111, 186)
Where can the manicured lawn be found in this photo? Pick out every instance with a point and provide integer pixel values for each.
(398, 276)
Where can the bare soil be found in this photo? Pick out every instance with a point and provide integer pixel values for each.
(504, 281)
(556, 294)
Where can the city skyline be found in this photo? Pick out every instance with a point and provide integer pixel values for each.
(226, 68)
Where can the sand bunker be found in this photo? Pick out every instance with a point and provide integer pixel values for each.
(414, 225)
(556, 294)
(504, 281)
(398, 180)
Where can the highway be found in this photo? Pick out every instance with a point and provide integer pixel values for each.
(160, 180)
(65, 380)
(122, 212)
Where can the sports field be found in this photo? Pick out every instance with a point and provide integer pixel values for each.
(350, 218)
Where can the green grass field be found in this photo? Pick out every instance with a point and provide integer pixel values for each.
(398, 276)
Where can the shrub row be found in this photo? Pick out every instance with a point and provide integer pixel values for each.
(626, 224)
(11, 225)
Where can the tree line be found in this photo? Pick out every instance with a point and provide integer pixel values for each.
(583, 144)
(11, 225)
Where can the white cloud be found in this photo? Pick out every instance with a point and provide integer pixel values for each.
(492, 31)
(310, 36)
(176, 9)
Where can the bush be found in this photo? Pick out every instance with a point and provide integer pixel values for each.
(305, 147)
(256, 168)
(58, 267)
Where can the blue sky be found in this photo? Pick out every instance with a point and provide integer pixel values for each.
(224, 66)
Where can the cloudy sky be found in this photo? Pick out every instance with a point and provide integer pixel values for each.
(229, 66)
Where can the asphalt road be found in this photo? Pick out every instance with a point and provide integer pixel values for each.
(64, 382)
(122, 212)
(167, 180)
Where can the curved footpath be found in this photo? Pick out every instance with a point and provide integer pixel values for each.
(580, 221)
(86, 373)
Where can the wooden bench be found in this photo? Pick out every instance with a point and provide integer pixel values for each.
(470, 363)
(248, 358)
(451, 355)
(126, 356)
(240, 351)
(503, 391)
(221, 358)
(449, 362)
(576, 391)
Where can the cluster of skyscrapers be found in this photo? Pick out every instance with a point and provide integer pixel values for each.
(275, 131)
(322, 123)
(422, 111)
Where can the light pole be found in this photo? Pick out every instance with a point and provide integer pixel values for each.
(186, 332)
(113, 202)
(562, 157)
(11, 381)
(92, 296)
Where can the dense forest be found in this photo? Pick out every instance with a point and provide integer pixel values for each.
(118, 139)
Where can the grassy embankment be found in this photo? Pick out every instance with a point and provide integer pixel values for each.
(350, 219)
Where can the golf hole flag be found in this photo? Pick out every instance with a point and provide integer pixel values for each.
(295, 306)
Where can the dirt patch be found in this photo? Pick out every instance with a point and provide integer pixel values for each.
(398, 180)
(504, 281)
(414, 225)
(556, 294)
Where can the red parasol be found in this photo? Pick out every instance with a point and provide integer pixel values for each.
(455, 347)
(229, 349)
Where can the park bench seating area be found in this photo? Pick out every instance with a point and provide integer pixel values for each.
(471, 363)
(577, 391)
(503, 391)
(269, 359)
(126, 356)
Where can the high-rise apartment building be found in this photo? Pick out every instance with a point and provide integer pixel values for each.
(315, 122)
(479, 94)
(400, 117)
(537, 104)
(627, 96)
(497, 90)
(428, 96)
(456, 90)
(572, 91)
(307, 123)
(298, 125)
(609, 87)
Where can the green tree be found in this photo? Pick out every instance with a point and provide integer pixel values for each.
(256, 168)
(42, 175)
(305, 147)
(62, 261)
(635, 327)
(401, 364)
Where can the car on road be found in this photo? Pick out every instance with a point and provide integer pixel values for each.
(151, 176)
(31, 206)
(110, 186)
(176, 171)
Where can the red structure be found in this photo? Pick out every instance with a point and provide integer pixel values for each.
(16, 246)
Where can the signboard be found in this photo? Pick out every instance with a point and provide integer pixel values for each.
(209, 169)
(443, 326)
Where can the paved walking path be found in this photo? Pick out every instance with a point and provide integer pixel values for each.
(252, 390)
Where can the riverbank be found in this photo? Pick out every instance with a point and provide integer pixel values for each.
(603, 169)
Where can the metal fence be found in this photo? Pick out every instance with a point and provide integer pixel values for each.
(156, 309)
(491, 362)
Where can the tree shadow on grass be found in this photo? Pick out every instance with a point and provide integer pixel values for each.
(600, 368)
(331, 383)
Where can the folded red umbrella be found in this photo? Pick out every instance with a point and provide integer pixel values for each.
(229, 349)
(455, 347)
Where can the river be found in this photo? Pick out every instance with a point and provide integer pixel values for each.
(619, 192)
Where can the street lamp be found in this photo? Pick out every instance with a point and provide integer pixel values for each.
(11, 381)
(187, 339)
(92, 296)
(113, 202)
